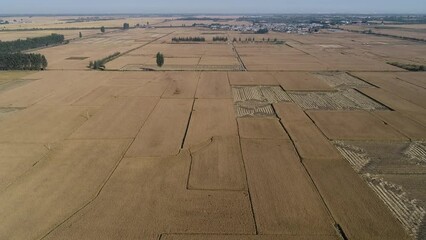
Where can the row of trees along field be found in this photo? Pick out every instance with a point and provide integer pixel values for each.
(100, 64)
(12, 58)
(220, 39)
(22, 61)
(188, 39)
(30, 43)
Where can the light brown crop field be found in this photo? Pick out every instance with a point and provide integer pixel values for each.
(416, 31)
(312, 137)
(70, 22)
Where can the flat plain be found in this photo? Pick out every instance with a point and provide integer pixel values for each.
(314, 138)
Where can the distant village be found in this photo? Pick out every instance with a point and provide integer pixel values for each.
(300, 28)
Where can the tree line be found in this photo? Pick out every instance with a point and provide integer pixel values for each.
(12, 58)
(188, 39)
(409, 67)
(100, 64)
(22, 61)
(220, 39)
(30, 43)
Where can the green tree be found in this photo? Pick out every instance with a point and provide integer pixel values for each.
(43, 62)
(160, 59)
(126, 26)
(102, 29)
(80, 35)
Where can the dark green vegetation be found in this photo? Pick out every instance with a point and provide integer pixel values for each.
(30, 43)
(102, 29)
(262, 31)
(100, 64)
(126, 26)
(220, 39)
(409, 67)
(22, 61)
(160, 59)
(188, 39)
(11, 57)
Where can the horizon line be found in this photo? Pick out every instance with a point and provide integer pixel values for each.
(207, 14)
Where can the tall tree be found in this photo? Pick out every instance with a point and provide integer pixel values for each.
(102, 29)
(160, 59)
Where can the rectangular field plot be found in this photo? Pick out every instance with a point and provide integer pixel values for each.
(342, 100)
(257, 100)
(384, 157)
(181, 57)
(273, 168)
(301, 81)
(251, 78)
(382, 164)
(164, 130)
(182, 66)
(342, 80)
(217, 165)
(354, 125)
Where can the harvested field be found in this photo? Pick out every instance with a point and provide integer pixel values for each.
(257, 100)
(342, 100)
(375, 161)
(356, 156)
(342, 80)
(406, 210)
(384, 157)
(360, 213)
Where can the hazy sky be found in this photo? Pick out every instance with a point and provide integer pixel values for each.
(211, 6)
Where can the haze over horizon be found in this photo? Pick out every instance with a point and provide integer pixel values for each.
(219, 6)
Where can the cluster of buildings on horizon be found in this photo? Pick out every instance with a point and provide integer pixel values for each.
(299, 28)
